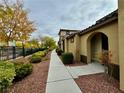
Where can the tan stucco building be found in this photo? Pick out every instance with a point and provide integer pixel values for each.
(107, 34)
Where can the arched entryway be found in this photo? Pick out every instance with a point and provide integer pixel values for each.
(97, 43)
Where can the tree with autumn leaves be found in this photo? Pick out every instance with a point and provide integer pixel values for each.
(14, 22)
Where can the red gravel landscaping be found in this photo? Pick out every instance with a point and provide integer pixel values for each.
(34, 83)
(98, 83)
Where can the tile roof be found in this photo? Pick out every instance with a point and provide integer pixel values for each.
(68, 30)
(106, 19)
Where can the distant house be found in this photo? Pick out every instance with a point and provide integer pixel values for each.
(107, 34)
(63, 33)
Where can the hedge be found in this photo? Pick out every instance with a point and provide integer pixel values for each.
(22, 70)
(7, 73)
(37, 57)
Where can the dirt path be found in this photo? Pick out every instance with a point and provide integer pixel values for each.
(34, 83)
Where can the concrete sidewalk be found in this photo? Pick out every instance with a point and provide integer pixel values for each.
(59, 79)
(91, 68)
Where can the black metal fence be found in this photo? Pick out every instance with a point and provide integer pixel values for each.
(12, 52)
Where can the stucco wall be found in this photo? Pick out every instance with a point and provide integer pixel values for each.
(71, 46)
(121, 41)
(83, 45)
(66, 45)
(74, 47)
(111, 31)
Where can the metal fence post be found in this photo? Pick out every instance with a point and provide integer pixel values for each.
(14, 52)
(23, 49)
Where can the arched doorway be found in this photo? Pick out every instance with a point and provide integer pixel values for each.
(97, 43)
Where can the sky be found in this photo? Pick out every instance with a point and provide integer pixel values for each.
(52, 15)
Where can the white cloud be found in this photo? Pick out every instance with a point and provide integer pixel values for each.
(51, 15)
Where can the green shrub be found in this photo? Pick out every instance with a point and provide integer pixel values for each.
(40, 53)
(67, 58)
(59, 52)
(35, 59)
(7, 73)
(46, 51)
(22, 70)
